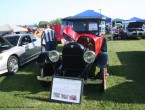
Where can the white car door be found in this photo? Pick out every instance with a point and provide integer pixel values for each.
(36, 43)
(27, 47)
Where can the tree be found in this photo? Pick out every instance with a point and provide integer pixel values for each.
(42, 23)
(56, 21)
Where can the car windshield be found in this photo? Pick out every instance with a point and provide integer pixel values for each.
(13, 40)
(79, 26)
(4, 45)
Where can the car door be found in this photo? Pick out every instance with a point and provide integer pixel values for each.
(36, 45)
(27, 47)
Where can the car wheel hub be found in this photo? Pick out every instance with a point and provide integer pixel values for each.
(13, 65)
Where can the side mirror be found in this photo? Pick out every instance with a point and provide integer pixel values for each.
(34, 40)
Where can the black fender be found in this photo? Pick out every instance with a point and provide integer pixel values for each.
(104, 45)
(102, 60)
(47, 68)
(43, 58)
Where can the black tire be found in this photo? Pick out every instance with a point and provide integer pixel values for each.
(142, 37)
(92, 72)
(103, 78)
(45, 84)
(13, 65)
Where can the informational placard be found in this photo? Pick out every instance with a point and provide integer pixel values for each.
(67, 89)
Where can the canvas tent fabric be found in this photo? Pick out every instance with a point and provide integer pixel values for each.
(12, 28)
(90, 14)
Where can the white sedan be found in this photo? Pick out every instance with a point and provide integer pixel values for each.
(16, 50)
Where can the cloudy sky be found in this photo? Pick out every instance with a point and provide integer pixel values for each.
(20, 12)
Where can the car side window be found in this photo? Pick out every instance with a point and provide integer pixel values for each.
(26, 40)
(33, 38)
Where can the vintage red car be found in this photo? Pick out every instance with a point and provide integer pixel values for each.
(85, 50)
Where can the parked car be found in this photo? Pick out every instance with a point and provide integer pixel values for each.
(84, 51)
(136, 29)
(16, 50)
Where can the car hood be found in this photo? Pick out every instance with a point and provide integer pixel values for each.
(70, 35)
(4, 44)
(136, 26)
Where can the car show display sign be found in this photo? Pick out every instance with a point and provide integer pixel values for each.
(67, 89)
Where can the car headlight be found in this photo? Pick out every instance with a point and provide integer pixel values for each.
(53, 56)
(89, 56)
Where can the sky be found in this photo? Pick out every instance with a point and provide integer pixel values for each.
(26, 12)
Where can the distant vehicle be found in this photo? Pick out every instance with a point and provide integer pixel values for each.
(16, 50)
(136, 29)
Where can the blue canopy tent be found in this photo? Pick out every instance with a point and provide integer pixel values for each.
(135, 19)
(90, 14)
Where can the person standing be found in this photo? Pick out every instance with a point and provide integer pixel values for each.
(48, 39)
(113, 30)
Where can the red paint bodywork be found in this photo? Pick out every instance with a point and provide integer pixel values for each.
(95, 41)
(58, 31)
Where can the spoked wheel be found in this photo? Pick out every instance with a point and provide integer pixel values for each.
(103, 77)
(13, 64)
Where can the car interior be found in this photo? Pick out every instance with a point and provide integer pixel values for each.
(26, 40)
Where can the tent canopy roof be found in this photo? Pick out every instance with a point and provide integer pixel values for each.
(135, 19)
(11, 28)
(89, 14)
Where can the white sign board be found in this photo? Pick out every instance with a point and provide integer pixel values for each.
(67, 89)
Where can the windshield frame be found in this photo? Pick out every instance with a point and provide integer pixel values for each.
(86, 25)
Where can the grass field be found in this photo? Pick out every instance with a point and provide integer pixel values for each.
(125, 84)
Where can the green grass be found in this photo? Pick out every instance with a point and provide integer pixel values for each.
(125, 84)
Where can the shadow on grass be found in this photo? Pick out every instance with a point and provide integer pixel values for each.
(127, 92)
(133, 66)
(132, 90)
(24, 80)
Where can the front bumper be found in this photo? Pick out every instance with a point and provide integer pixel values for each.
(45, 78)
(3, 69)
(136, 34)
